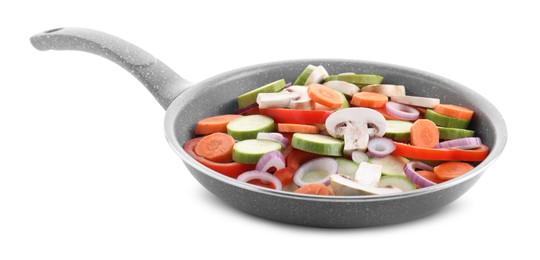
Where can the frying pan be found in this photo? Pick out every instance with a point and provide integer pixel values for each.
(186, 103)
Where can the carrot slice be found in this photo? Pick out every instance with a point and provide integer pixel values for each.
(285, 175)
(454, 111)
(297, 128)
(214, 124)
(429, 176)
(217, 147)
(450, 170)
(424, 133)
(313, 188)
(324, 96)
(369, 99)
(232, 169)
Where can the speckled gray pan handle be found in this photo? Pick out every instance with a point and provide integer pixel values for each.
(157, 77)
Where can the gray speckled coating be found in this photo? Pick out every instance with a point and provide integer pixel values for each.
(337, 212)
(164, 84)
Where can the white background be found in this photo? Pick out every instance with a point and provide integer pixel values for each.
(86, 173)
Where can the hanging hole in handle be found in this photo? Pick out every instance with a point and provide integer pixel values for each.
(53, 30)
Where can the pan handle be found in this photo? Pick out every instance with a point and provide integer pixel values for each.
(157, 77)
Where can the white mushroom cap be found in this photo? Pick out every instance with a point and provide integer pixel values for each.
(356, 116)
(317, 76)
(303, 101)
(280, 99)
(355, 126)
(346, 88)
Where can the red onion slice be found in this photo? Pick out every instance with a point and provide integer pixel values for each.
(401, 111)
(380, 147)
(310, 171)
(274, 137)
(246, 108)
(269, 160)
(461, 143)
(410, 171)
(258, 175)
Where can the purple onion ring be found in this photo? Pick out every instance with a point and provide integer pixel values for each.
(401, 111)
(410, 171)
(246, 108)
(326, 164)
(380, 147)
(269, 160)
(274, 137)
(263, 176)
(461, 143)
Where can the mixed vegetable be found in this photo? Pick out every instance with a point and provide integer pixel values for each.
(344, 134)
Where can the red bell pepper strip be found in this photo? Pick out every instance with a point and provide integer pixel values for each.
(296, 116)
(441, 154)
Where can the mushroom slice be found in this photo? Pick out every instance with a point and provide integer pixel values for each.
(368, 174)
(356, 116)
(280, 99)
(303, 101)
(317, 76)
(343, 87)
(385, 89)
(342, 186)
(356, 138)
(355, 126)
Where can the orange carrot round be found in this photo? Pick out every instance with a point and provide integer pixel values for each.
(231, 169)
(217, 147)
(297, 128)
(324, 95)
(451, 170)
(214, 124)
(424, 133)
(369, 99)
(431, 176)
(454, 111)
(313, 188)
